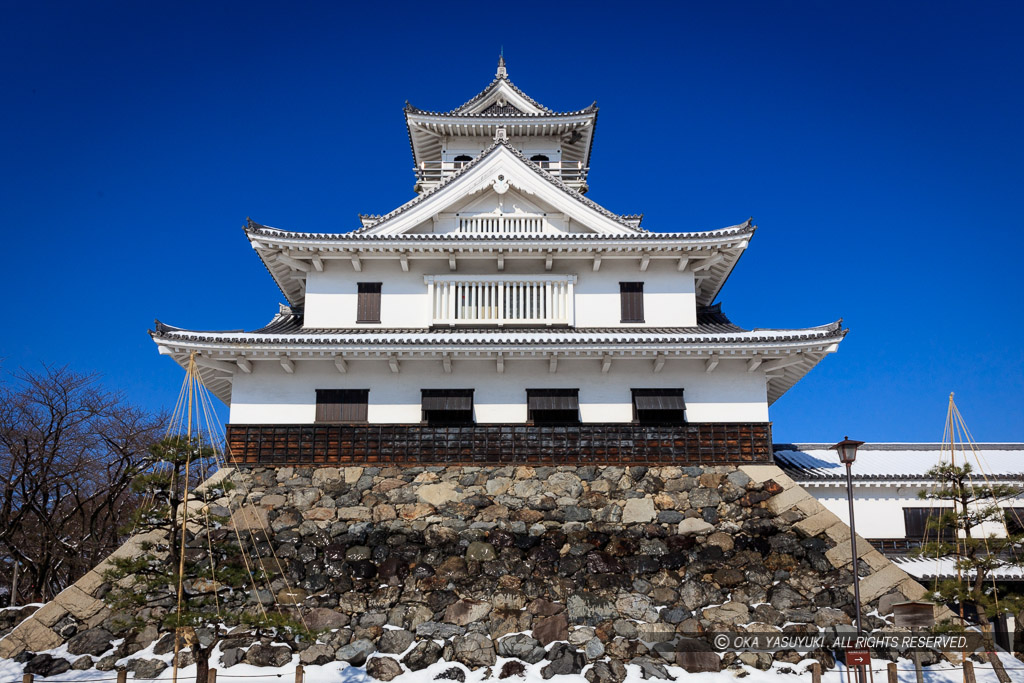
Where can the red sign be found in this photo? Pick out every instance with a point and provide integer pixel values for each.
(858, 657)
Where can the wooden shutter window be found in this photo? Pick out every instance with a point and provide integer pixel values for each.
(553, 406)
(342, 405)
(915, 521)
(658, 406)
(368, 303)
(447, 406)
(631, 296)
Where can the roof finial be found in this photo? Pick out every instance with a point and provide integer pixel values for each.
(502, 72)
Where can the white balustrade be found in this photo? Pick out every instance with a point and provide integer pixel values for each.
(501, 224)
(501, 300)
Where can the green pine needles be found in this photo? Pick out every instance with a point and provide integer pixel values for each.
(963, 525)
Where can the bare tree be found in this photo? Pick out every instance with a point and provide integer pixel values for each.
(69, 450)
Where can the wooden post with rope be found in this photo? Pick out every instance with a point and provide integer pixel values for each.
(27, 678)
(122, 676)
(212, 676)
(816, 672)
(891, 673)
(299, 673)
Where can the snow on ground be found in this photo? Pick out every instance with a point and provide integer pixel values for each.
(340, 672)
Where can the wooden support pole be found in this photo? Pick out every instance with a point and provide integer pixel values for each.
(891, 672)
(918, 671)
(816, 672)
(211, 677)
(969, 671)
(298, 674)
(27, 678)
(122, 676)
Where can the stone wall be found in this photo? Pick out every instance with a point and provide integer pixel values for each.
(406, 566)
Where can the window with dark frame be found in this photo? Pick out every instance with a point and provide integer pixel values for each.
(1014, 520)
(631, 297)
(368, 302)
(553, 406)
(342, 405)
(915, 521)
(658, 406)
(447, 406)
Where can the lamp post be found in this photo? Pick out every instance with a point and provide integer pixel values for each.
(847, 449)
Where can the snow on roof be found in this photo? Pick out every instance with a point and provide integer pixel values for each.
(945, 568)
(897, 461)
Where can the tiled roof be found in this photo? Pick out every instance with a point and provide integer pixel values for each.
(499, 111)
(533, 166)
(712, 327)
(897, 461)
(945, 568)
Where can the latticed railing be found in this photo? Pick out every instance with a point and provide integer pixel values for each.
(435, 171)
(512, 224)
(501, 300)
(579, 444)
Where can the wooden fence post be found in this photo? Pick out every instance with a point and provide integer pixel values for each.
(298, 674)
(212, 676)
(122, 676)
(816, 672)
(27, 678)
(968, 671)
(891, 669)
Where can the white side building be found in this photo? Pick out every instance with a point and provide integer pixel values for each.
(888, 479)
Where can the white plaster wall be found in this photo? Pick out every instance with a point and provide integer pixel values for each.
(879, 510)
(669, 298)
(528, 145)
(270, 396)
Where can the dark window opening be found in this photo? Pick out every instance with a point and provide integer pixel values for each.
(368, 303)
(631, 296)
(541, 159)
(447, 406)
(553, 406)
(1014, 520)
(341, 405)
(915, 521)
(462, 160)
(658, 406)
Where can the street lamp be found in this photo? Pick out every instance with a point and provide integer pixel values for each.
(847, 449)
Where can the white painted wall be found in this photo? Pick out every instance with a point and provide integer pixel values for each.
(879, 509)
(529, 145)
(669, 297)
(271, 396)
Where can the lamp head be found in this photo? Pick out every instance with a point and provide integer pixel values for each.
(847, 449)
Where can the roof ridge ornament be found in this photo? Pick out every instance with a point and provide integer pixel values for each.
(502, 71)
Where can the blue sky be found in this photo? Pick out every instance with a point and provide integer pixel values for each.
(877, 145)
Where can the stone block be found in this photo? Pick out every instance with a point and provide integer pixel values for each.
(880, 583)
(787, 499)
(761, 473)
(437, 494)
(29, 635)
(49, 614)
(250, 517)
(841, 555)
(839, 532)
(352, 474)
(811, 506)
(638, 511)
(79, 603)
(90, 583)
(815, 524)
(875, 560)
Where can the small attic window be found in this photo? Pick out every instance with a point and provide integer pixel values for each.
(540, 158)
(462, 158)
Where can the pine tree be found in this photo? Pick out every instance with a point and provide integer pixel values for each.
(956, 531)
(217, 566)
